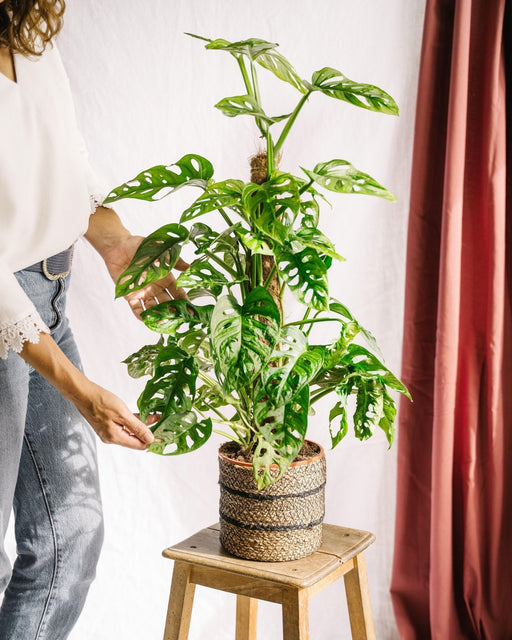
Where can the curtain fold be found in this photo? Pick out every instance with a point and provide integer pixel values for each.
(452, 574)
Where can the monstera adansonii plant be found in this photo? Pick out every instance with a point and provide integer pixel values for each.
(226, 358)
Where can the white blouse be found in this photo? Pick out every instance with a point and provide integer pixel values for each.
(47, 190)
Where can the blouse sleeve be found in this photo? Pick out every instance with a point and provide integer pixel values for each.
(19, 320)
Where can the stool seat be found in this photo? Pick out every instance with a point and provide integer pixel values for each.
(201, 560)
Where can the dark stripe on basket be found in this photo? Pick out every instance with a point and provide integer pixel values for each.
(271, 527)
(267, 496)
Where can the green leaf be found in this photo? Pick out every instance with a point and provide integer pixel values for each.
(179, 433)
(342, 310)
(277, 64)
(218, 195)
(306, 275)
(282, 431)
(173, 385)
(337, 434)
(252, 47)
(142, 362)
(254, 242)
(298, 365)
(243, 337)
(202, 273)
(342, 177)
(315, 239)
(155, 257)
(176, 316)
(369, 406)
(387, 422)
(269, 205)
(194, 170)
(336, 85)
(246, 106)
(367, 362)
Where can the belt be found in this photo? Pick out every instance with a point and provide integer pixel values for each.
(58, 266)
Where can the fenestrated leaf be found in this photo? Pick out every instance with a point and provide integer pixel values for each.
(277, 64)
(155, 257)
(142, 362)
(202, 273)
(282, 432)
(196, 343)
(342, 177)
(246, 106)
(243, 336)
(173, 385)
(297, 366)
(254, 242)
(342, 310)
(306, 275)
(193, 170)
(179, 433)
(339, 432)
(176, 316)
(252, 47)
(367, 363)
(387, 422)
(270, 204)
(336, 85)
(315, 239)
(369, 406)
(218, 195)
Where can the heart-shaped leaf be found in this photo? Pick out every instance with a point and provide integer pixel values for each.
(312, 237)
(160, 181)
(333, 83)
(342, 177)
(154, 258)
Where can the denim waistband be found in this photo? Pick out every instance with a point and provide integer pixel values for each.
(57, 266)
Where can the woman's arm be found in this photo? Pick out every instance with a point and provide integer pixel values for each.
(106, 413)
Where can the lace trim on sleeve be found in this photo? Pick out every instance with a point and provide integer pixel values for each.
(96, 201)
(13, 336)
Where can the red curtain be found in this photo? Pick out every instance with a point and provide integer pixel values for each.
(452, 573)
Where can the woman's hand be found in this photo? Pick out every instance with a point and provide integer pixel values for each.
(117, 259)
(104, 411)
(111, 419)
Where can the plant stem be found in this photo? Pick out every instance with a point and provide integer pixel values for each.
(228, 436)
(245, 75)
(289, 124)
(270, 154)
(256, 94)
(320, 394)
(305, 187)
(270, 276)
(226, 218)
(312, 321)
(221, 263)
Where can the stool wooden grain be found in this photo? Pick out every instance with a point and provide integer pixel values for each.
(201, 560)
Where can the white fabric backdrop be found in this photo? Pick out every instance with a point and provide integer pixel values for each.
(144, 94)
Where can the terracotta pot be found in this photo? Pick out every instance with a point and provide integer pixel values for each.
(280, 522)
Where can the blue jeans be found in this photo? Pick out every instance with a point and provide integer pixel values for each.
(48, 474)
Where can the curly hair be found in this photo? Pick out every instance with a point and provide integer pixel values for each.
(27, 26)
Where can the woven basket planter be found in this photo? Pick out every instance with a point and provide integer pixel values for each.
(280, 522)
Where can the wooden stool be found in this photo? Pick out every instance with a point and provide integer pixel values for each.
(201, 560)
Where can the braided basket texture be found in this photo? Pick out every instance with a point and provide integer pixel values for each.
(280, 522)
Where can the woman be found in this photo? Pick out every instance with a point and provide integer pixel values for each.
(47, 454)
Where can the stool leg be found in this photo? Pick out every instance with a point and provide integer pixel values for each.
(246, 618)
(181, 599)
(295, 615)
(358, 600)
